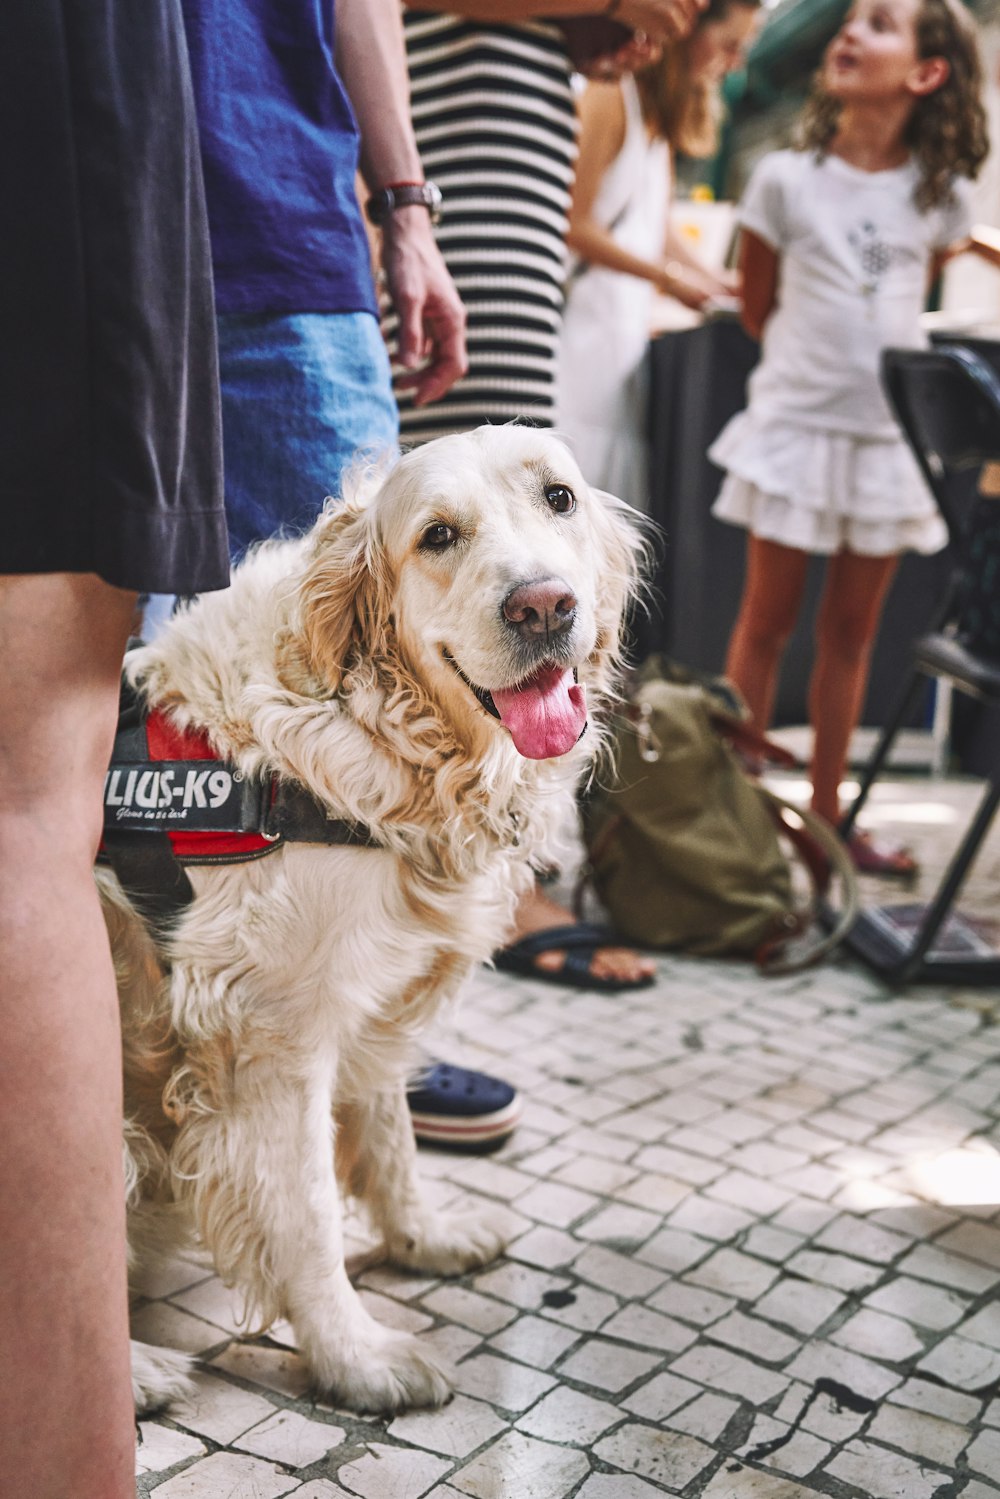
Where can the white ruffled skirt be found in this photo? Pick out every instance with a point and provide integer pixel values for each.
(822, 491)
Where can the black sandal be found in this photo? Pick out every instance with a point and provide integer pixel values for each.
(579, 940)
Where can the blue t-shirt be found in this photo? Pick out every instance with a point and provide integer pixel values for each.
(279, 146)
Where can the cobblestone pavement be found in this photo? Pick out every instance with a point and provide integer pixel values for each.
(754, 1254)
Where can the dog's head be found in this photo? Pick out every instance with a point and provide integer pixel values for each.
(484, 578)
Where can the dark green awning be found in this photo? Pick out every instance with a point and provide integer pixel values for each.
(791, 42)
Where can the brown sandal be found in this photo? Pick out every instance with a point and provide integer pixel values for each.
(877, 856)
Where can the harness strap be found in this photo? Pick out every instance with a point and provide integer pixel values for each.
(169, 801)
(151, 875)
(295, 816)
(145, 865)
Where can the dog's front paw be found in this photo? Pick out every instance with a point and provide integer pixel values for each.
(449, 1243)
(159, 1375)
(391, 1371)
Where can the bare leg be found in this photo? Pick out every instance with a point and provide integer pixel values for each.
(846, 627)
(63, 1308)
(772, 598)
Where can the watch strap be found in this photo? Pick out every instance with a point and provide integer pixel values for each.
(403, 195)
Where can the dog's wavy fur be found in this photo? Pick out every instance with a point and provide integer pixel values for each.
(266, 1047)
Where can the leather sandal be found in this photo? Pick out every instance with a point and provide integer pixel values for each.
(579, 940)
(879, 856)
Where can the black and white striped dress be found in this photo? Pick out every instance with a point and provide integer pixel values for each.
(494, 118)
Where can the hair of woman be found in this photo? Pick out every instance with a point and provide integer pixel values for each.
(947, 132)
(683, 110)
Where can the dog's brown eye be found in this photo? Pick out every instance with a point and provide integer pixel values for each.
(438, 536)
(562, 500)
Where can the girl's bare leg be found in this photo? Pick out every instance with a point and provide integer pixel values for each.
(772, 598)
(66, 1422)
(846, 626)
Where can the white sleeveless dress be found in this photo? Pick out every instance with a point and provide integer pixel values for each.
(602, 376)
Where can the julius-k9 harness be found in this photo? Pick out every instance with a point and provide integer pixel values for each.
(169, 801)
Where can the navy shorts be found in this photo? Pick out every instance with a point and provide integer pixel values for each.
(303, 396)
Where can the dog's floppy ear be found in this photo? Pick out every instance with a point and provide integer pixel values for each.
(344, 597)
(625, 537)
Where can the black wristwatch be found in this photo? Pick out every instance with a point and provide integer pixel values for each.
(401, 195)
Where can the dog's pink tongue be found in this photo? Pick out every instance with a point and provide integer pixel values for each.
(546, 715)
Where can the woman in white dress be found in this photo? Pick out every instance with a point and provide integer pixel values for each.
(624, 250)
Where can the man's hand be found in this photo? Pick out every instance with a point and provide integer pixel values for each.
(431, 316)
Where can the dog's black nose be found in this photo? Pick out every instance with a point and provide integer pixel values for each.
(546, 606)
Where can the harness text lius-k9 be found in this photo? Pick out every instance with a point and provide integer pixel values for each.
(169, 801)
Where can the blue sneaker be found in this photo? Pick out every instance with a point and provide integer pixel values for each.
(465, 1110)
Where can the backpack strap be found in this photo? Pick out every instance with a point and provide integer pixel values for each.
(825, 855)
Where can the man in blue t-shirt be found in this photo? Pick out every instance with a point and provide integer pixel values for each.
(293, 100)
(294, 97)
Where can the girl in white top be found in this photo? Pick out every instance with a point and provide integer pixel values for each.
(840, 243)
(624, 249)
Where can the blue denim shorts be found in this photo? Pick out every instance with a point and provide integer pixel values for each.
(302, 395)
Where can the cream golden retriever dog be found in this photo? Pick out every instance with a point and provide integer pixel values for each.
(431, 661)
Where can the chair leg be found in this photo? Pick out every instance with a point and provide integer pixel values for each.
(880, 754)
(941, 726)
(939, 907)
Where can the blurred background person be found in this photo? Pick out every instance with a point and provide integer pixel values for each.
(625, 250)
(840, 242)
(495, 120)
(493, 110)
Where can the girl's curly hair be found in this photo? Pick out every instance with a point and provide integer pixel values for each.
(947, 131)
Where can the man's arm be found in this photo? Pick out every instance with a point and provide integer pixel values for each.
(371, 60)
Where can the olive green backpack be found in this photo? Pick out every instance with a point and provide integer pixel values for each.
(685, 848)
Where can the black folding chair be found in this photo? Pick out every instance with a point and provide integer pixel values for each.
(947, 401)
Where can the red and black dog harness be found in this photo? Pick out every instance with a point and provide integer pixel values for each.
(169, 801)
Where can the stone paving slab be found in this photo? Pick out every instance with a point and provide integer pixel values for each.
(755, 1255)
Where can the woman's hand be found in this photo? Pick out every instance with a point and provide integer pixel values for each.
(660, 21)
(730, 283)
(634, 54)
(685, 286)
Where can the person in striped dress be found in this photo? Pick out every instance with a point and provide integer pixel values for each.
(495, 125)
(494, 116)
(493, 113)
